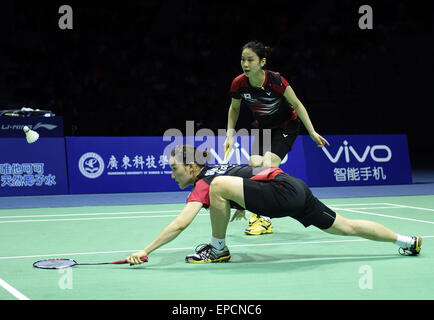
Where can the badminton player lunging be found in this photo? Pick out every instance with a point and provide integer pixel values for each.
(258, 189)
(274, 106)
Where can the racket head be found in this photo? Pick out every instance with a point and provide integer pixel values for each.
(54, 263)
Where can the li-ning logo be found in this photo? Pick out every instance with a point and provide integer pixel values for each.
(91, 165)
(44, 125)
(33, 127)
(369, 150)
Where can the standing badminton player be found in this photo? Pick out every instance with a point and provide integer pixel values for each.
(274, 106)
(267, 190)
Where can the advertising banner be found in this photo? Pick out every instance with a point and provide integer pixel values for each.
(32, 169)
(141, 164)
(45, 126)
(358, 160)
(293, 163)
(118, 164)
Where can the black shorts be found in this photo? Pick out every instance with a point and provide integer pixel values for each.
(282, 139)
(287, 196)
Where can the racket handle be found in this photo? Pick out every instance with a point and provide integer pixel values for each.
(227, 152)
(144, 259)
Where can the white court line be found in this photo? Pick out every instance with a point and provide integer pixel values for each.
(156, 211)
(364, 208)
(124, 213)
(12, 290)
(188, 248)
(360, 204)
(179, 249)
(86, 214)
(411, 207)
(115, 213)
(383, 215)
(115, 218)
(334, 207)
(104, 218)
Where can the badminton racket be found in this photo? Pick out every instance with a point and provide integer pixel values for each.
(67, 263)
(227, 152)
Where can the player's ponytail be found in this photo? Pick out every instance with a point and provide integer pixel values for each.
(186, 154)
(259, 48)
(268, 51)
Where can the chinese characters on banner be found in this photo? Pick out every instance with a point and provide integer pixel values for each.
(138, 164)
(25, 175)
(33, 169)
(359, 174)
(357, 160)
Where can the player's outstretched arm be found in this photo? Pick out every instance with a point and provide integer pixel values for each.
(289, 94)
(170, 232)
(233, 114)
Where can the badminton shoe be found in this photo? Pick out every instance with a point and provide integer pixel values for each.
(414, 249)
(253, 218)
(260, 226)
(206, 253)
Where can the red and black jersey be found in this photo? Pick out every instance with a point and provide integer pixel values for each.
(267, 103)
(200, 191)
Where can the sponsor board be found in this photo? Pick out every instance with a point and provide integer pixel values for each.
(141, 164)
(32, 169)
(45, 126)
(358, 160)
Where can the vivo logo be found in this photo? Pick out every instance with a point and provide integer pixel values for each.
(373, 151)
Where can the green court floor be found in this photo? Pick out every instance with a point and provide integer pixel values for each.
(292, 263)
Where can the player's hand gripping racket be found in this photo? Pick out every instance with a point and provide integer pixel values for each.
(227, 152)
(66, 263)
(228, 146)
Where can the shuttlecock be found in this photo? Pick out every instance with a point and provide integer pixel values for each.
(31, 135)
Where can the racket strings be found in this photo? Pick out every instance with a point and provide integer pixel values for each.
(65, 263)
(54, 263)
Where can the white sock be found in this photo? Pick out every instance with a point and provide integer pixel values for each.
(219, 244)
(404, 242)
(268, 219)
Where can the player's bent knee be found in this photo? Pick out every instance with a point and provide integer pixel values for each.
(256, 161)
(216, 187)
(216, 198)
(220, 186)
(271, 160)
(227, 188)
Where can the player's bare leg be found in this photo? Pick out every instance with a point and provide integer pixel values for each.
(271, 160)
(259, 224)
(361, 228)
(222, 190)
(374, 231)
(256, 161)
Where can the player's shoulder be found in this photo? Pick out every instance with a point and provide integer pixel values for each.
(241, 77)
(240, 81)
(275, 78)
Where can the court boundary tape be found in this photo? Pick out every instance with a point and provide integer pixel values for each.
(410, 207)
(382, 215)
(17, 294)
(190, 248)
(12, 290)
(204, 212)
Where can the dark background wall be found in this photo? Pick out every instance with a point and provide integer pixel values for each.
(141, 67)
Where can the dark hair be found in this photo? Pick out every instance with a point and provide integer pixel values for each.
(186, 154)
(259, 48)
